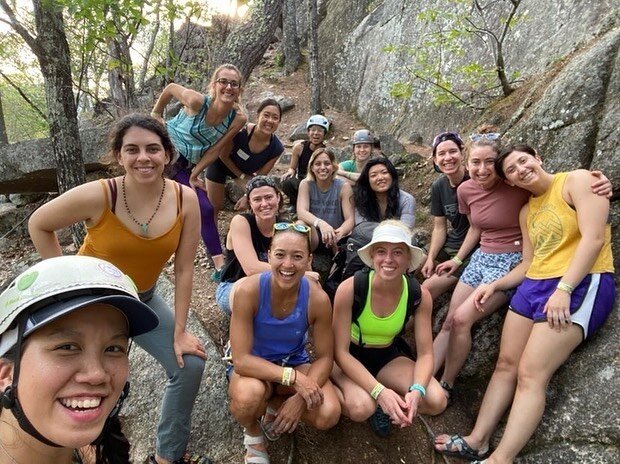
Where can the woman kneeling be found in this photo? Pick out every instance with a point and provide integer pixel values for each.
(375, 364)
(272, 375)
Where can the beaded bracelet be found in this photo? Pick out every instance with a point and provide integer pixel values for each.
(287, 372)
(418, 387)
(376, 391)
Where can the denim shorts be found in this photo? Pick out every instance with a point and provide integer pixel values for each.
(222, 296)
(590, 304)
(484, 268)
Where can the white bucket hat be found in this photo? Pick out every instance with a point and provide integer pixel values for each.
(392, 233)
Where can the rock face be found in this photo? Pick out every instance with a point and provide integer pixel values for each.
(30, 166)
(214, 430)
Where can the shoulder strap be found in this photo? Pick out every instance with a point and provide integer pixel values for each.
(414, 298)
(360, 292)
(113, 194)
(179, 190)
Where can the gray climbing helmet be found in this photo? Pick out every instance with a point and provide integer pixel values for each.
(57, 286)
(362, 136)
(318, 120)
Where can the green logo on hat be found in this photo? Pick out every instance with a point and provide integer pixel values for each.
(27, 280)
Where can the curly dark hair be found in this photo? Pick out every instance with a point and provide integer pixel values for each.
(366, 199)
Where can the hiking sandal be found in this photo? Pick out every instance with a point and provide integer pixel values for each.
(457, 447)
(258, 457)
(447, 389)
(267, 426)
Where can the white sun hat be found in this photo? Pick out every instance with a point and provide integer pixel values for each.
(392, 232)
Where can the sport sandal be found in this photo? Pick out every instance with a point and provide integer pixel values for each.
(267, 425)
(258, 457)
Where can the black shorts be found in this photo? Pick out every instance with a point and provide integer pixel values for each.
(218, 172)
(374, 359)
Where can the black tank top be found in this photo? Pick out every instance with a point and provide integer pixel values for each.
(304, 159)
(232, 270)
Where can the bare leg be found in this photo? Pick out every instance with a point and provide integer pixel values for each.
(356, 402)
(460, 335)
(437, 285)
(545, 352)
(327, 415)
(398, 375)
(440, 344)
(500, 391)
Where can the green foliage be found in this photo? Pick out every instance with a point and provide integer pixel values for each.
(22, 121)
(436, 66)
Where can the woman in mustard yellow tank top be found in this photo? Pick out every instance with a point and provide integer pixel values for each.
(375, 370)
(566, 292)
(137, 221)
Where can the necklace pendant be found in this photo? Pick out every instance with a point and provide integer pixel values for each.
(145, 228)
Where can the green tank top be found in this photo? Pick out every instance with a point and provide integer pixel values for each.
(380, 331)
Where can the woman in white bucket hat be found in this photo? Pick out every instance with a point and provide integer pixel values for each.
(375, 366)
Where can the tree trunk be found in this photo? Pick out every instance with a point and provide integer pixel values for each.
(501, 72)
(52, 52)
(151, 46)
(246, 45)
(313, 42)
(121, 75)
(292, 54)
(4, 137)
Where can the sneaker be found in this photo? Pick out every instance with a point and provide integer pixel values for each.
(187, 458)
(380, 423)
(216, 276)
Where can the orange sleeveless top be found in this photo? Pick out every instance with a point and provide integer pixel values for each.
(141, 258)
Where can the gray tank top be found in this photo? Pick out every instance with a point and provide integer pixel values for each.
(326, 205)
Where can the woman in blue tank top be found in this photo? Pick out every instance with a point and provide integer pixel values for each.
(199, 131)
(272, 375)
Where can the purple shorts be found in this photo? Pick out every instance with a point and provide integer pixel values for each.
(590, 303)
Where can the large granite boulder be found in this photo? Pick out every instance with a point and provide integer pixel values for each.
(214, 430)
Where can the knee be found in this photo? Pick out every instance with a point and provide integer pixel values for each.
(460, 321)
(506, 365)
(246, 401)
(531, 375)
(359, 409)
(193, 367)
(435, 404)
(447, 324)
(328, 416)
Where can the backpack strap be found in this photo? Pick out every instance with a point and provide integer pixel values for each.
(414, 298)
(360, 292)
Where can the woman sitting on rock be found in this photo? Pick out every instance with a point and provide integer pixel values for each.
(377, 196)
(253, 151)
(325, 202)
(566, 292)
(272, 375)
(363, 143)
(137, 221)
(375, 366)
(65, 325)
(249, 237)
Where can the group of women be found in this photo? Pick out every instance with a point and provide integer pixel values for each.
(65, 323)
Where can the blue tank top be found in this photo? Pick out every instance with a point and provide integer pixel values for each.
(282, 341)
(192, 136)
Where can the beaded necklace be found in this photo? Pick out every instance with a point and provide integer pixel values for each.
(143, 225)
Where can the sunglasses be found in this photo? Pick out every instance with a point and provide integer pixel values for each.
(447, 136)
(225, 83)
(490, 136)
(300, 228)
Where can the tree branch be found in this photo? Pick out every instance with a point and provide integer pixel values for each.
(32, 42)
(23, 95)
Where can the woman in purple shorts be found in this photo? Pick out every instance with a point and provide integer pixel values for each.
(566, 292)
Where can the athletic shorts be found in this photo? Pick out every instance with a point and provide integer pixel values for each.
(484, 268)
(590, 304)
(222, 296)
(446, 254)
(374, 359)
(294, 360)
(218, 172)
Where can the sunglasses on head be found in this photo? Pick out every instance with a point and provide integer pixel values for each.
(447, 136)
(490, 136)
(225, 83)
(301, 228)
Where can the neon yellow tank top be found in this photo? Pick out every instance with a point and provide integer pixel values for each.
(554, 233)
(377, 330)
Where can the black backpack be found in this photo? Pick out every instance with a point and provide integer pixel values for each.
(360, 292)
(346, 262)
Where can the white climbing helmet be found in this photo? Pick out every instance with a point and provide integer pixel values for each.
(318, 120)
(57, 286)
(362, 136)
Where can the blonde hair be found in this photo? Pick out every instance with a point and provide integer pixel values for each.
(319, 151)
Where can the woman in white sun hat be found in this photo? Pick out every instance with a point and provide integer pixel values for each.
(65, 325)
(375, 366)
